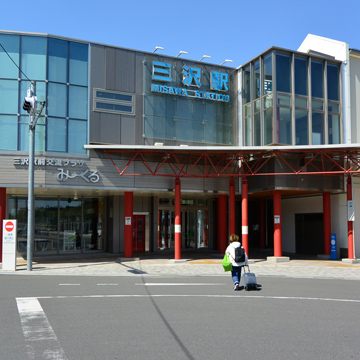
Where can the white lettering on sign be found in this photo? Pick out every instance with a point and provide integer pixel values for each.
(87, 175)
(49, 162)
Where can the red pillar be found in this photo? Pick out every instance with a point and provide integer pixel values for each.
(327, 223)
(232, 217)
(277, 224)
(262, 224)
(221, 224)
(2, 215)
(177, 219)
(350, 223)
(128, 232)
(244, 215)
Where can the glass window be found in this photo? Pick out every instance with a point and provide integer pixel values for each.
(283, 79)
(268, 101)
(77, 136)
(118, 108)
(78, 64)
(70, 224)
(334, 129)
(248, 131)
(24, 137)
(57, 100)
(268, 117)
(301, 103)
(57, 62)
(317, 128)
(257, 133)
(301, 83)
(9, 90)
(7, 68)
(333, 82)
(8, 126)
(78, 102)
(93, 233)
(246, 80)
(107, 95)
(247, 109)
(284, 126)
(56, 134)
(256, 83)
(33, 57)
(317, 79)
(267, 74)
(317, 105)
(284, 100)
(333, 107)
(256, 106)
(301, 127)
(46, 224)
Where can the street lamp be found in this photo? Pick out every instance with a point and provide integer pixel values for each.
(205, 56)
(181, 52)
(227, 60)
(158, 48)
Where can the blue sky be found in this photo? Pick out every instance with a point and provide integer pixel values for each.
(237, 29)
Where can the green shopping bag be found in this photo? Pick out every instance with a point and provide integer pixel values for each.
(226, 263)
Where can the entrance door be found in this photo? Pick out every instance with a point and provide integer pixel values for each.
(309, 233)
(139, 233)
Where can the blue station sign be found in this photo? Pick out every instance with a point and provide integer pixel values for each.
(191, 80)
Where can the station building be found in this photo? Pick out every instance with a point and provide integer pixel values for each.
(141, 152)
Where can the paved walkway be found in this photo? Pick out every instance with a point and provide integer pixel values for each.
(113, 265)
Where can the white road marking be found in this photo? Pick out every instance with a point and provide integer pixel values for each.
(69, 284)
(240, 297)
(178, 284)
(41, 341)
(107, 284)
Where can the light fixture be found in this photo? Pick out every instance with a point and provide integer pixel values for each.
(76, 197)
(227, 60)
(159, 144)
(158, 48)
(181, 52)
(205, 56)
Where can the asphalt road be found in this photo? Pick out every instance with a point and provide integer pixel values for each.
(199, 317)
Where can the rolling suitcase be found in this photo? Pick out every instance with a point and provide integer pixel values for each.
(249, 280)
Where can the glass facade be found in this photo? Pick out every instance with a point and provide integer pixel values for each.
(186, 118)
(60, 71)
(306, 95)
(61, 224)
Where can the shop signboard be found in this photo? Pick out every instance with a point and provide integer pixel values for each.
(9, 241)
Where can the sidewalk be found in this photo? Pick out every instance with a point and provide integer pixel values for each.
(163, 265)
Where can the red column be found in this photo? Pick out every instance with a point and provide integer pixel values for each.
(244, 215)
(277, 224)
(221, 224)
(177, 219)
(128, 232)
(2, 215)
(232, 224)
(350, 223)
(262, 224)
(327, 223)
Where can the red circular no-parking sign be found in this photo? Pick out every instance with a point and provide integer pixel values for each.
(9, 226)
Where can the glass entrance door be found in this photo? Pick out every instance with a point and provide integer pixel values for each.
(194, 229)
